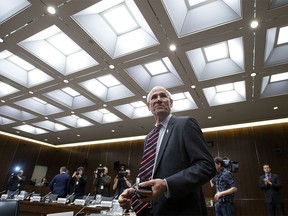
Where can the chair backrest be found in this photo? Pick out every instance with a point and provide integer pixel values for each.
(9, 207)
(53, 197)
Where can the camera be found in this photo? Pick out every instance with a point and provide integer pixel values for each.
(232, 166)
(77, 173)
(99, 169)
(122, 173)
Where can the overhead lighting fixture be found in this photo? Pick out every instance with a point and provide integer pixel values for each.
(275, 108)
(39, 100)
(120, 19)
(224, 87)
(71, 91)
(172, 47)
(193, 86)
(283, 35)
(156, 67)
(216, 51)
(51, 10)
(1, 40)
(279, 77)
(108, 80)
(193, 3)
(111, 66)
(253, 74)
(254, 24)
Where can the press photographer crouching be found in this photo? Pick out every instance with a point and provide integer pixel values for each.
(122, 181)
(102, 181)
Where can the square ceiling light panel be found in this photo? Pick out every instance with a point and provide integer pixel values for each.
(6, 89)
(70, 98)
(51, 126)
(11, 8)
(107, 88)
(126, 30)
(30, 129)
(15, 113)
(277, 3)
(225, 93)
(20, 71)
(274, 85)
(183, 101)
(276, 46)
(188, 16)
(134, 110)
(39, 106)
(218, 60)
(151, 74)
(56, 49)
(4, 121)
(74, 121)
(102, 116)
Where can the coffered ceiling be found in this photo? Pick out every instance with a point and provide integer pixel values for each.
(82, 74)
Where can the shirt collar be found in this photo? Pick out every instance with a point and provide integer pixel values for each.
(164, 123)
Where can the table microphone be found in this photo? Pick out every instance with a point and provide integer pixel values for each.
(27, 197)
(67, 198)
(3, 191)
(44, 197)
(86, 199)
(12, 194)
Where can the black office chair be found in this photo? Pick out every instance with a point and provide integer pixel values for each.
(9, 207)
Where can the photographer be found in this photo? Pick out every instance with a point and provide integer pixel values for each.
(122, 181)
(102, 181)
(78, 183)
(225, 187)
(14, 183)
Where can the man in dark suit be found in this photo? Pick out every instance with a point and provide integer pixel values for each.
(182, 165)
(60, 183)
(270, 183)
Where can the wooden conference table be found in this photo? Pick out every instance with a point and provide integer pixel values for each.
(41, 209)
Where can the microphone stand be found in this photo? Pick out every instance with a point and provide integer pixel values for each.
(12, 194)
(44, 197)
(67, 199)
(83, 206)
(28, 196)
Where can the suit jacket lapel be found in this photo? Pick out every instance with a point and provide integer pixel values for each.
(166, 136)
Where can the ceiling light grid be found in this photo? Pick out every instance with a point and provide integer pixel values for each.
(188, 19)
(102, 116)
(225, 94)
(55, 48)
(158, 72)
(107, 88)
(230, 62)
(21, 71)
(12, 8)
(278, 87)
(119, 39)
(276, 54)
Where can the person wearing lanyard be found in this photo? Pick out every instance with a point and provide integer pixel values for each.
(225, 189)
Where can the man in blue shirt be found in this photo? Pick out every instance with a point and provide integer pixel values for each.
(225, 189)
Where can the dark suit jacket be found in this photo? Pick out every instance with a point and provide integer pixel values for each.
(60, 184)
(272, 192)
(186, 164)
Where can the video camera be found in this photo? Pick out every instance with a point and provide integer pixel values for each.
(99, 169)
(122, 173)
(232, 166)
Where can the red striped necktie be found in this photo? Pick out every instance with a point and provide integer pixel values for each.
(146, 167)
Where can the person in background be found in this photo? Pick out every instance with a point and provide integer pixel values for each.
(60, 183)
(180, 164)
(15, 183)
(271, 185)
(225, 189)
(102, 182)
(43, 182)
(122, 181)
(78, 183)
(33, 181)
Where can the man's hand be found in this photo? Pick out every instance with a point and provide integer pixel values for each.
(125, 198)
(158, 187)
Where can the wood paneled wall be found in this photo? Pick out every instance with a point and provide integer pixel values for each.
(250, 147)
